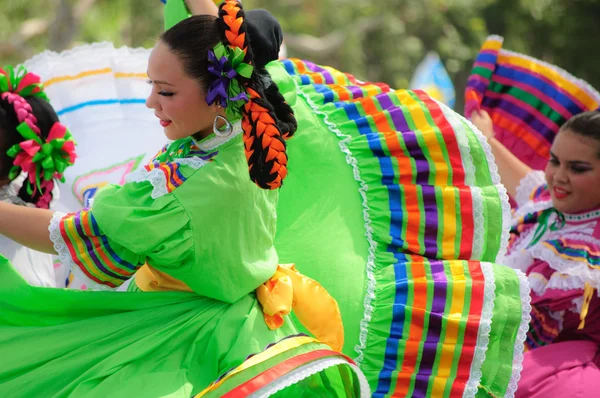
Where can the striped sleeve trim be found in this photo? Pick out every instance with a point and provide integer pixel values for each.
(79, 242)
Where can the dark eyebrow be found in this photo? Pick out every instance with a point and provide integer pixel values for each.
(573, 162)
(579, 163)
(158, 81)
(161, 82)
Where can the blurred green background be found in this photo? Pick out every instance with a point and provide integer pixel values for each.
(374, 40)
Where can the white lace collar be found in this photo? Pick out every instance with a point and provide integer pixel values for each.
(214, 141)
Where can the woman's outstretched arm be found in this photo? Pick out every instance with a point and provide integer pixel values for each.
(27, 226)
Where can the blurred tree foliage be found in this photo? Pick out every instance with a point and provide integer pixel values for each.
(377, 41)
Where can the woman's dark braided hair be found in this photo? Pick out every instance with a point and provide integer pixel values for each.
(267, 120)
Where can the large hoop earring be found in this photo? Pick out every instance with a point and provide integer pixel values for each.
(224, 132)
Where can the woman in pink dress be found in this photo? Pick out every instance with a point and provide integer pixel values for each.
(556, 241)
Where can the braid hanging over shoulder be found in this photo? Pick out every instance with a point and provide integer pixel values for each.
(263, 139)
(285, 115)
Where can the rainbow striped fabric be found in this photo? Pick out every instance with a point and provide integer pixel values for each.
(542, 329)
(163, 161)
(91, 252)
(173, 178)
(435, 322)
(270, 368)
(528, 99)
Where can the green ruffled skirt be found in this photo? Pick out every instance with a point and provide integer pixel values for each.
(394, 204)
(67, 343)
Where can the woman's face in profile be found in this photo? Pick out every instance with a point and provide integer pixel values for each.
(178, 100)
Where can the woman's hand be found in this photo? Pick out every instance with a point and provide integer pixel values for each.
(482, 120)
(512, 170)
(202, 7)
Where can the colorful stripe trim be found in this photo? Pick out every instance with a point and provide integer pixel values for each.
(272, 374)
(158, 156)
(540, 193)
(165, 173)
(173, 176)
(86, 104)
(90, 250)
(194, 151)
(437, 306)
(542, 330)
(573, 250)
(287, 344)
(272, 350)
(528, 99)
(94, 72)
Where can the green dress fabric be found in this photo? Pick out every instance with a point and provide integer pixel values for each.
(193, 214)
(214, 229)
(390, 203)
(393, 203)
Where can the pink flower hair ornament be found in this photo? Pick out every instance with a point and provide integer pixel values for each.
(42, 159)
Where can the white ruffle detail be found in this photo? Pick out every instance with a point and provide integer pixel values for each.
(537, 282)
(310, 369)
(526, 186)
(570, 274)
(502, 193)
(463, 143)
(576, 273)
(370, 297)
(79, 53)
(157, 177)
(462, 139)
(539, 285)
(521, 335)
(506, 220)
(578, 236)
(560, 281)
(64, 256)
(519, 260)
(57, 240)
(581, 232)
(217, 141)
(485, 327)
(519, 257)
(530, 208)
(478, 224)
(577, 304)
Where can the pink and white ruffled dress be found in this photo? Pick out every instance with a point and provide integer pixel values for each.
(560, 254)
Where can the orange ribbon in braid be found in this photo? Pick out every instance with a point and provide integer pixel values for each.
(263, 141)
(230, 13)
(264, 145)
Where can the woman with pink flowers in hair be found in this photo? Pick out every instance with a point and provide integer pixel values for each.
(35, 150)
